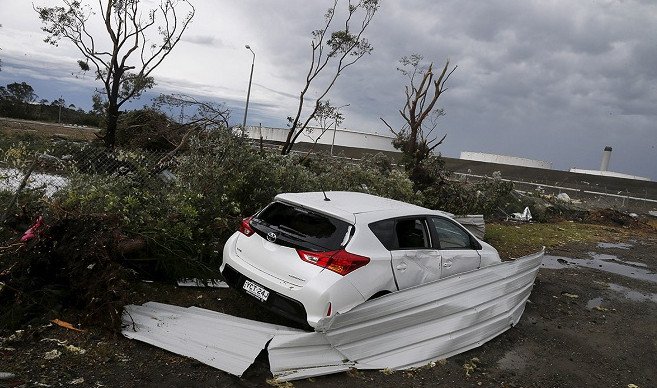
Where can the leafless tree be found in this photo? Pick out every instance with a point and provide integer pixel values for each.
(204, 114)
(326, 117)
(201, 116)
(137, 42)
(416, 138)
(332, 53)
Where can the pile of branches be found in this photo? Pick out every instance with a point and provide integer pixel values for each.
(71, 265)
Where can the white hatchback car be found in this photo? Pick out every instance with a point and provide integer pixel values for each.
(307, 256)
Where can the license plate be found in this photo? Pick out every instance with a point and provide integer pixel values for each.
(256, 290)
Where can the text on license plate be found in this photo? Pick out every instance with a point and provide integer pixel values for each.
(256, 290)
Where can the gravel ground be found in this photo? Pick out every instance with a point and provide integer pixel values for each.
(583, 327)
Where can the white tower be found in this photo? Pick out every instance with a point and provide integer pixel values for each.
(606, 155)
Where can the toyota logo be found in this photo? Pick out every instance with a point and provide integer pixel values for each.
(271, 236)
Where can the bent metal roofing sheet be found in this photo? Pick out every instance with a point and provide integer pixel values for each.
(400, 330)
(222, 341)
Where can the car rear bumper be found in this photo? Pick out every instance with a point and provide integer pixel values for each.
(276, 302)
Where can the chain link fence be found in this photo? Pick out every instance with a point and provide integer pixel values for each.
(24, 171)
(640, 197)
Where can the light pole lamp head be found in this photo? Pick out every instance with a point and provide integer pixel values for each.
(249, 48)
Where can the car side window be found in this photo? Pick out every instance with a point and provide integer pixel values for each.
(385, 232)
(450, 235)
(412, 234)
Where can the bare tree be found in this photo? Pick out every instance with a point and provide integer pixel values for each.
(139, 40)
(203, 114)
(200, 116)
(416, 137)
(332, 53)
(326, 117)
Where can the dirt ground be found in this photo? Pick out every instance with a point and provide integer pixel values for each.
(12, 127)
(582, 327)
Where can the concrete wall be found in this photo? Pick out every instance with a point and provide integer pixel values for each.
(503, 159)
(343, 137)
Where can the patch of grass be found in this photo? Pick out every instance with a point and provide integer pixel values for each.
(516, 240)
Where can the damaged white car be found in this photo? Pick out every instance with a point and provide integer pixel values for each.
(308, 256)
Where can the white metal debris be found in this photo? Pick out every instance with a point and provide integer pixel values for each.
(404, 329)
(192, 282)
(420, 324)
(526, 215)
(222, 341)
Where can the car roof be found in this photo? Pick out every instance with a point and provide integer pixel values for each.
(347, 204)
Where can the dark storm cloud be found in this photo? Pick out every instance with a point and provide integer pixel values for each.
(551, 80)
(569, 76)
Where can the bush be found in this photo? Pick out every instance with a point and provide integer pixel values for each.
(458, 197)
(147, 129)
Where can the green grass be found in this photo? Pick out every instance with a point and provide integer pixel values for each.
(515, 240)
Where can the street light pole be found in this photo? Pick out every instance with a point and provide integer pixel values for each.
(248, 93)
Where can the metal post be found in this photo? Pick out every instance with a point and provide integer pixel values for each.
(248, 93)
(335, 128)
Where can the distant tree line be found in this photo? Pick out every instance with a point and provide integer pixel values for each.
(19, 101)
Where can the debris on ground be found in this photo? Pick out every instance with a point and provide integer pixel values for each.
(470, 366)
(525, 216)
(192, 282)
(563, 197)
(33, 230)
(65, 325)
(404, 329)
(53, 354)
(6, 375)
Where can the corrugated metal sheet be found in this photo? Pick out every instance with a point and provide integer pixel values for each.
(415, 326)
(400, 330)
(297, 356)
(222, 341)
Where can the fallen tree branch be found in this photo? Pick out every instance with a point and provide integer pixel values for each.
(14, 198)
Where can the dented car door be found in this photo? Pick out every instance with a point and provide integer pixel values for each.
(414, 260)
(458, 250)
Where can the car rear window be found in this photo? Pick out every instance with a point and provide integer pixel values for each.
(299, 227)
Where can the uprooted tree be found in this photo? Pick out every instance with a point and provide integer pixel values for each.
(332, 53)
(416, 138)
(123, 59)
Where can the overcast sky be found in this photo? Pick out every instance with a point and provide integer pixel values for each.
(554, 80)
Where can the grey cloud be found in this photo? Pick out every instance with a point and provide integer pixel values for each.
(204, 40)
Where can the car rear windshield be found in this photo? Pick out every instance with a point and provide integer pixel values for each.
(302, 228)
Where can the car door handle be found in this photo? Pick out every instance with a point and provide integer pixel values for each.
(402, 266)
(447, 264)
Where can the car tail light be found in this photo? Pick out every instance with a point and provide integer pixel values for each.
(340, 261)
(328, 312)
(245, 227)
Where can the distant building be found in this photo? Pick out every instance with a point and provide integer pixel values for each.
(604, 165)
(610, 174)
(504, 159)
(337, 137)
